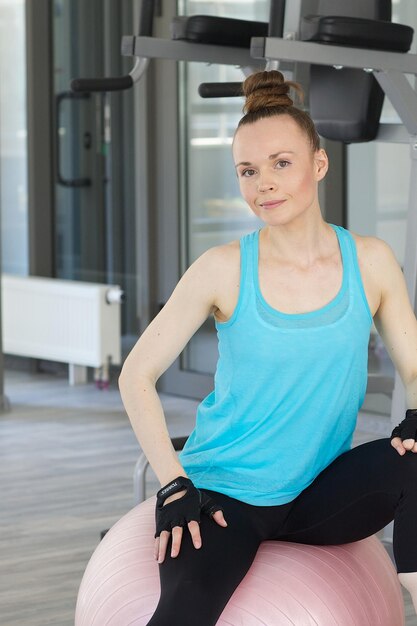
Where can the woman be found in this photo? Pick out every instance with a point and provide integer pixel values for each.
(270, 457)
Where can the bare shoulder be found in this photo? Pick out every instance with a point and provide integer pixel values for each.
(223, 257)
(375, 253)
(381, 272)
(212, 273)
(230, 249)
(222, 263)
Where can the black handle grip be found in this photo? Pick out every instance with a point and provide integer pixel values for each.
(220, 90)
(61, 180)
(80, 85)
(120, 83)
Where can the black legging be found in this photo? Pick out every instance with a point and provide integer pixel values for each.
(357, 495)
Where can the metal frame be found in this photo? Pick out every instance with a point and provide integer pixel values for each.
(282, 49)
(176, 50)
(40, 112)
(4, 401)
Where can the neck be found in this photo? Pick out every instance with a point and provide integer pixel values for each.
(299, 243)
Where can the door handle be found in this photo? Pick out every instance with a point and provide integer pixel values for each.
(61, 180)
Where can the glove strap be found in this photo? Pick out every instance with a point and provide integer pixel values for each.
(398, 430)
(178, 484)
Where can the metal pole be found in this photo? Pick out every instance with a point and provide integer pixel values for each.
(4, 402)
(276, 18)
(399, 400)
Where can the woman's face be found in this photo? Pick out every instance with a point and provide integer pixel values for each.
(278, 172)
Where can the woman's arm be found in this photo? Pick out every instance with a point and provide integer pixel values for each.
(190, 304)
(395, 319)
(396, 323)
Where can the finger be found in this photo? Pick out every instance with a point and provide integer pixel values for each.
(408, 444)
(163, 542)
(194, 528)
(176, 540)
(398, 445)
(414, 448)
(219, 518)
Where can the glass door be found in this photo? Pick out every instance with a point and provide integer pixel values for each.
(94, 216)
(80, 190)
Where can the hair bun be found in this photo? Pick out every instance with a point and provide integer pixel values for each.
(267, 89)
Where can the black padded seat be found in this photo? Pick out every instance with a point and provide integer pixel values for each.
(346, 103)
(219, 31)
(357, 32)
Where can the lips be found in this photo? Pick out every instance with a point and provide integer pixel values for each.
(271, 203)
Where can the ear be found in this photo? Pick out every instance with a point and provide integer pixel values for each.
(321, 164)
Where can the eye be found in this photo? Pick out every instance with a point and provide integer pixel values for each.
(282, 164)
(248, 172)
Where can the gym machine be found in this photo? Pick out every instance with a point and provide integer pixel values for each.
(347, 55)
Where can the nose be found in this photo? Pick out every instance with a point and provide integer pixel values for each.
(265, 185)
(266, 182)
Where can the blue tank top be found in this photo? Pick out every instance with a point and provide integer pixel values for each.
(287, 388)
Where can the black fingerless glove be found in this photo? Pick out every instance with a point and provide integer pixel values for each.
(183, 510)
(407, 429)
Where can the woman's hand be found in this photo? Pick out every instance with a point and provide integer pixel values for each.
(190, 502)
(404, 436)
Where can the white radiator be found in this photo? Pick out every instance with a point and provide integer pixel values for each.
(62, 320)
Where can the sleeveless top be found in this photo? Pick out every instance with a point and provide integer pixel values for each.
(287, 388)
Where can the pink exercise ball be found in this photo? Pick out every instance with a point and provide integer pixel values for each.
(353, 584)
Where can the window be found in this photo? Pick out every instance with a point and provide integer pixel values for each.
(13, 138)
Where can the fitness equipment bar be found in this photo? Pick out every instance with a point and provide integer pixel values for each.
(158, 48)
(145, 47)
(387, 67)
(283, 49)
